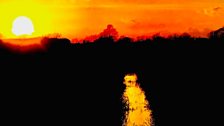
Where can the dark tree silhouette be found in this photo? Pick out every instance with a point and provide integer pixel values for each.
(110, 31)
(67, 82)
(218, 34)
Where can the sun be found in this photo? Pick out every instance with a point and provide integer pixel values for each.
(22, 25)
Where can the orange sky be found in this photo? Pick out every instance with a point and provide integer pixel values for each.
(80, 18)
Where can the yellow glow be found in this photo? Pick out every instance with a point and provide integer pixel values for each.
(138, 113)
(37, 13)
(22, 26)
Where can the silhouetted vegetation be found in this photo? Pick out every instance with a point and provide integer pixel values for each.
(67, 82)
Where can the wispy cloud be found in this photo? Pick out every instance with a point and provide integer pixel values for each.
(212, 11)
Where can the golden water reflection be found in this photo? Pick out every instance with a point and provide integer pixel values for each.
(137, 107)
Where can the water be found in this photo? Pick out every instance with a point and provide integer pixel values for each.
(136, 105)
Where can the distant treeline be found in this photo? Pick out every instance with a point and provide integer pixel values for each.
(215, 39)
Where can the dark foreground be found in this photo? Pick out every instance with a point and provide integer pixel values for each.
(81, 84)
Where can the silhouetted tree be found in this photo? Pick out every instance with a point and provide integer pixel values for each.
(157, 37)
(125, 40)
(110, 31)
(217, 34)
(104, 40)
(56, 43)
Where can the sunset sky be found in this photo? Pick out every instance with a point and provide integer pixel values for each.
(80, 18)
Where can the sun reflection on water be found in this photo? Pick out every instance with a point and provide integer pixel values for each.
(136, 105)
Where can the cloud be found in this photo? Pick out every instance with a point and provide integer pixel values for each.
(217, 8)
(212, 11)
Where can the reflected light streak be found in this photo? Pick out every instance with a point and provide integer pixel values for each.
(137, 107)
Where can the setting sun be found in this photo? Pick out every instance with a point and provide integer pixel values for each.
(25, 17)
(22, 26)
